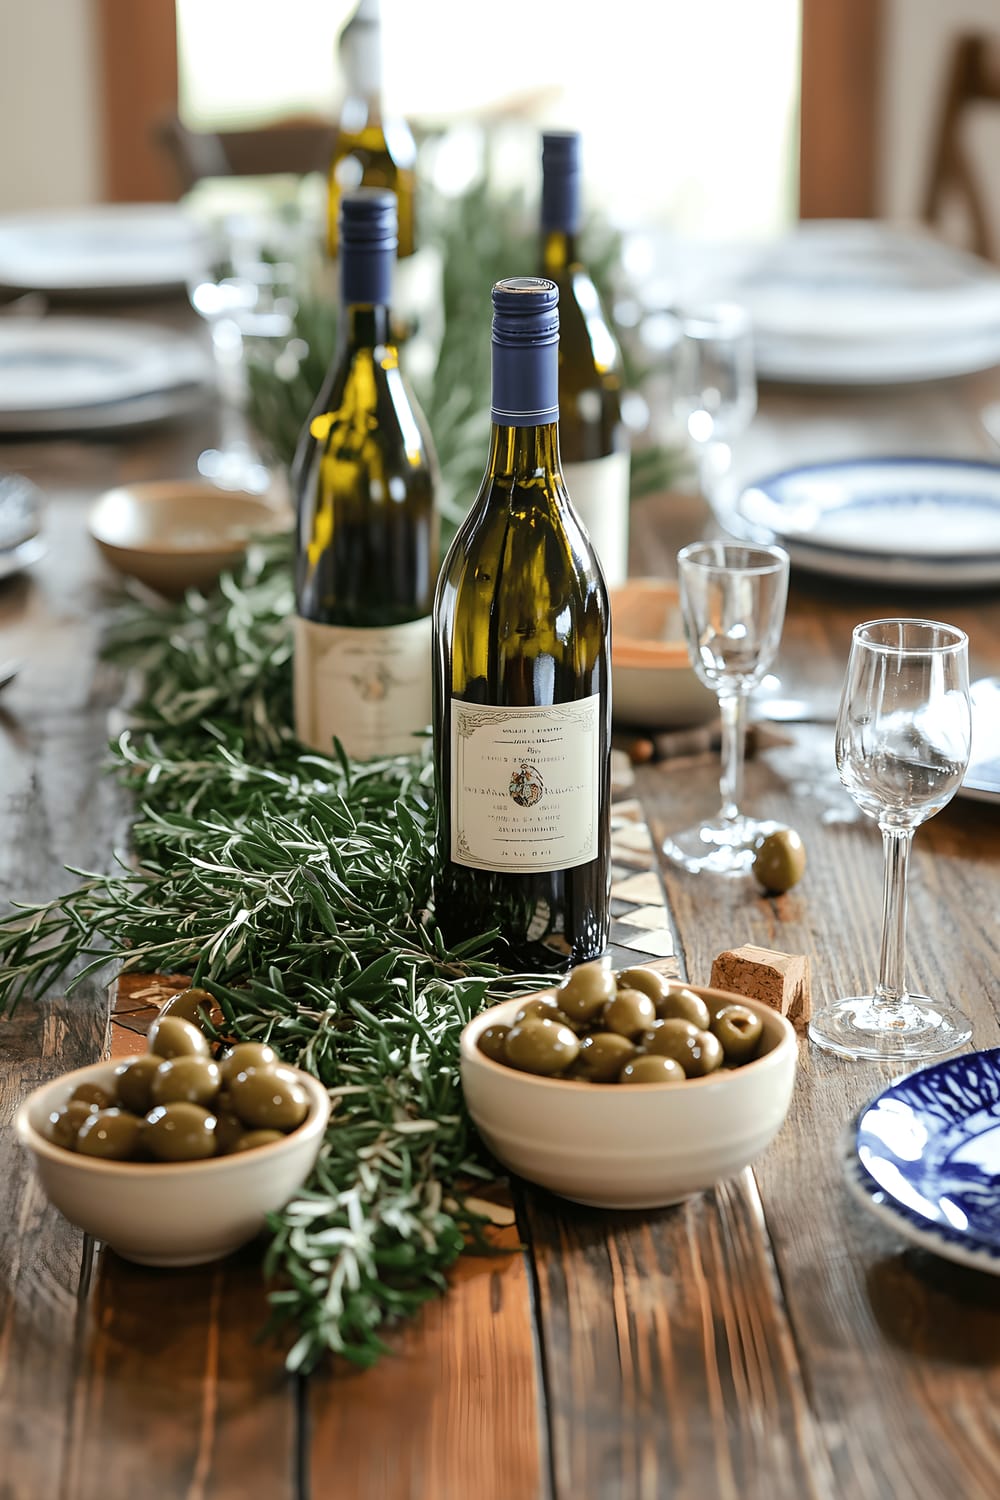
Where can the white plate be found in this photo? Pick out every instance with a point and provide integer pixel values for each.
(982, 779)
(117, 248)
(78, 373)
(928, 521)
(851, 302)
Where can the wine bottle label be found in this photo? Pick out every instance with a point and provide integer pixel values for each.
(525, 785)
(599, 490)
(370, 688)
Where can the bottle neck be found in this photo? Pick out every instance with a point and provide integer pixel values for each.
(360, 55)
(525, 391)
(524, 451)
(367, 325)
(559, 252)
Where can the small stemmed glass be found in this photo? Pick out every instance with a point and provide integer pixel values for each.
(714, 383)
(733, 607)
(903, 738)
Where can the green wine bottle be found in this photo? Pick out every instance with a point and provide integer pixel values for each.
(364, 479)
(522, 696)
(593, 438)
(370, 147)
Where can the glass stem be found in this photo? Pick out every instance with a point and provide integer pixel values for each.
(891, 987)
(732, 707)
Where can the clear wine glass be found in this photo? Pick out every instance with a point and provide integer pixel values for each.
(733, 607)
(714, 383)
(244, 287)
(903, 738)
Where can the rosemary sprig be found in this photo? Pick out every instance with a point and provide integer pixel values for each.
(297, 889)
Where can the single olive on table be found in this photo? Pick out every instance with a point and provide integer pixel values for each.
(779, 861)
(628, 1028)
(176, 1102)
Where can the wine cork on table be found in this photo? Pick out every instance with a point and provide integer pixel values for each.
(780, 980)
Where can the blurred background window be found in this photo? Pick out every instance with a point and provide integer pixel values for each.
(689, 112)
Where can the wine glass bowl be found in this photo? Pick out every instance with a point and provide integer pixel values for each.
(732, 600)
(715, 393)
(903, 738)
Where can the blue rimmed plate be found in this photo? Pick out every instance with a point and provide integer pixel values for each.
(910, 520)
(924, 1157)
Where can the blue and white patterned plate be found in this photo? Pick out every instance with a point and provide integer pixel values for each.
(913, 520)
(924, 1157)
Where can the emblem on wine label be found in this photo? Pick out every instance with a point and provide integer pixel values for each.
(526, 786)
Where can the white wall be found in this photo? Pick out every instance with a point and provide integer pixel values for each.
(49, 154)
(917, 48)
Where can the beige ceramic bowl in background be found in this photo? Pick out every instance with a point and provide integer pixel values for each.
(173, 535)
(630, 1145)
(653, 685)
(169, 1213)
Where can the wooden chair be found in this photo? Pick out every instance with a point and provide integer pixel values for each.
(973, 80)
(297, 145)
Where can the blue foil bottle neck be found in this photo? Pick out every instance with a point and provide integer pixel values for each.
(525, 352)
(561, 179)
(368, 243)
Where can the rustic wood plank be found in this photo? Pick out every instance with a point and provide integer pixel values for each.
(453, 1411)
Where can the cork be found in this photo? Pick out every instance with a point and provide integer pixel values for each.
(780, 980)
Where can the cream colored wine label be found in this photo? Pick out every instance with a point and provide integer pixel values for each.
(599, 490)
(370, 688)
(525, 785)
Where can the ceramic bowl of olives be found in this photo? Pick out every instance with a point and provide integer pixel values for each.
(150, 1155)
(628, 1090)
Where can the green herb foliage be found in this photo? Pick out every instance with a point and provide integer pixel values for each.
(296, 889)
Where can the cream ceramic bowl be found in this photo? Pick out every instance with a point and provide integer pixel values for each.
(175, 535)
(169, 1213)
(653, 685)
(630, 1145)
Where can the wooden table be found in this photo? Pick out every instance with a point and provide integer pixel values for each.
(768, 1339)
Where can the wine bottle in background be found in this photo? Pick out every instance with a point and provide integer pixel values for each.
(522, 703)
(364, 480)
(370, 148)
(592, 435)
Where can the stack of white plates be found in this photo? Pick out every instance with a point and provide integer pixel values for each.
(68, 374)
(105, 250)
(857, 302)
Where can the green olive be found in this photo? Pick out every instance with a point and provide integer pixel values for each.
(491, 1042)
(650, 1067)
(681, 1004)
(247, 1055)
(538, 1045)
(228, 1129)
(650, 981)
(698, 1052)
(603, 1054)
(192, 1005)
(630, 1013)
(112, 1134)
(269, 1098)
(63, 1124)
(172, 1036)
(251, 1139)
(540, 1005)
(779, 860)
(94, 1093)
(585, 992)
(133, 1080)
(180, 1132)
(739, 1031)
(195, 1079)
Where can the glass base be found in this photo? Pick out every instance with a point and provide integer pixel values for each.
(722, 847)
(913, 1028)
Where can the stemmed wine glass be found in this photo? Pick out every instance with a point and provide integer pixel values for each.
(733, 606)
(714, 382)
(903, 738)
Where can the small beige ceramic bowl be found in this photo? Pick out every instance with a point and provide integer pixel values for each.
(169, 1213)
(653, 685)
(175, 535)
(630, 1145)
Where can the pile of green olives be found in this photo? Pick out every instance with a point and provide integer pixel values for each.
(176, 1102)
(631, 1027)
